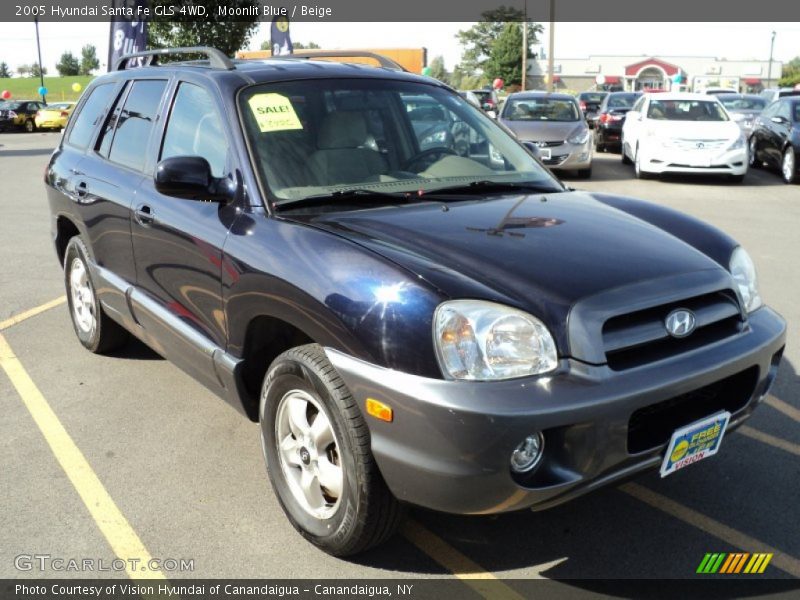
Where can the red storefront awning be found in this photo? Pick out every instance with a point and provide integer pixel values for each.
(612, 79)
(752, 81)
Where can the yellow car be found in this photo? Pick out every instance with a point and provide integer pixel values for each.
(54, 116)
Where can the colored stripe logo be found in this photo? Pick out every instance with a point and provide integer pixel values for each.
(734, 563)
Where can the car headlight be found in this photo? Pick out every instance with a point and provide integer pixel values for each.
(485, 341)
(738, 144)
(744, 273)
(579, 137)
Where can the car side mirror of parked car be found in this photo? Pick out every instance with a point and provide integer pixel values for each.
(533, 149)
(190, 178)
(779, 120)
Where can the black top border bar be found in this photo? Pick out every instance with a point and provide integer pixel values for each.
(406, 11)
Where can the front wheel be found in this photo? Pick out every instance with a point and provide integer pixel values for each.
(789, 166)
(317, 448)
(637, 167)
(624, 157)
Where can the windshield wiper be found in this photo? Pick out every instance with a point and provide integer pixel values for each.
(487, 186)
(359, 195)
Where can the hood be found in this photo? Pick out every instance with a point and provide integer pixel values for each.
(696, 130)
(540, 253)
(543, 131)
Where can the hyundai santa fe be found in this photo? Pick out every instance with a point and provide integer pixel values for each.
(442, 325)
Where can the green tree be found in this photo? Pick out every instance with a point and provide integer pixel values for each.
(89, 61)
(68, 65)
(790, 76)
(218, 32)
(35, 72)
(4, 70)
(505, 60)
(24, 70)
(267, 45)
(479, 39)
(438, 70)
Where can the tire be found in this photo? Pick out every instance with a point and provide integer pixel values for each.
(789, 166)
(362, 513)
(29, 126)
(585, 173)
(624, 157)
(752, 153)
(95, 330)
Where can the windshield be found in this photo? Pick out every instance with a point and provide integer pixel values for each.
(742, 102)
(686, 110)
(318, 137)
(541, 109)
(61, 106)
(622, 100)
(592, 98)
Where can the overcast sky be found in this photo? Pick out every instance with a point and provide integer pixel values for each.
(723, 40)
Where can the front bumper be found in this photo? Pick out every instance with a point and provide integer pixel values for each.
(657, 159)
(449, 444)
(568, 156)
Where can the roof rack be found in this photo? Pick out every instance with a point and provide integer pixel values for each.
(383, 61)
(216, 59)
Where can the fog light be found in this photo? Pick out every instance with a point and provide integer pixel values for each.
(527, 454)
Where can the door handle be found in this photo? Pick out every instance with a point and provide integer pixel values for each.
(144, 215)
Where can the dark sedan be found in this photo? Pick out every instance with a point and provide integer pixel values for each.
(19, 115)
(611, 116)
(744, 109)
(776, 138)
(590, 105)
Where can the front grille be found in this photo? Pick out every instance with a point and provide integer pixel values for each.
(556, 160)
(652, 426)
(686, 144)
(639, 338)
(550, 144)
(684, 166)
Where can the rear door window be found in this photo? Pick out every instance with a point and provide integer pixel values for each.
(103, 144)
(89, 116)
(135, 123)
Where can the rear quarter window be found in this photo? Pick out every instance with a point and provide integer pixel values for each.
(135, 123)
(89, 115)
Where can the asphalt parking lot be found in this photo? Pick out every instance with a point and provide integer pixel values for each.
(187, 477)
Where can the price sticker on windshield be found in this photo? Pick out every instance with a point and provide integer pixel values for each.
(274, 112)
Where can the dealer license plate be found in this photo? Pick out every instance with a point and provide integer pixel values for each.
(545, 153)
(694, 442)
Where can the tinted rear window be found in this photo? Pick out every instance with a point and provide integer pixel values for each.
(90, 113)
(135, 123)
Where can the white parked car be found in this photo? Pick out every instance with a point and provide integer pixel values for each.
(683, 133)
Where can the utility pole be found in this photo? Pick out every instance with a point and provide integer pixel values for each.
(769, 72)
(552, 45)
(39, 51)
(525, 48)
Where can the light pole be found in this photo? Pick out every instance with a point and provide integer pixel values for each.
(769, 72)
(525, 47)
(551, 45)
(39, 51)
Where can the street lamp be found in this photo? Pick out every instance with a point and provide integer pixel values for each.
(551, 46)
(39, 51)
(769, 72)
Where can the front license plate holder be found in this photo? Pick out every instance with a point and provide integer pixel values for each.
(694, 442)
(545, 153)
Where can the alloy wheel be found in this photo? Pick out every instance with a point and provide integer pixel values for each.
(83, 301)
(788, 165)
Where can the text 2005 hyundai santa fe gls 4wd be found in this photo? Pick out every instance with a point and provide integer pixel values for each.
(413, 308)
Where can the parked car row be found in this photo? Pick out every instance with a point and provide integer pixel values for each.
(30, 115)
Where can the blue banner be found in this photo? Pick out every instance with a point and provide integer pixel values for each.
(280, 39)
(126, 37)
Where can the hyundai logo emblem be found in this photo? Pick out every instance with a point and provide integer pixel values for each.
(700, 145)
(680, 323)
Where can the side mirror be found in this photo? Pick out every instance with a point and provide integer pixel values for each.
(778, 120)
(190, 178)
(533, 149)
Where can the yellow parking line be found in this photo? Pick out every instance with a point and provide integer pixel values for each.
(784, 407)
(31, 313)
(112, 523)
(471, 573)
(727, 534)
(770, 439)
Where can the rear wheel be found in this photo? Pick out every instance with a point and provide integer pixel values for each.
(637, 167)
(95, 330)
(317, 448)
(789, 166)
(30, 126)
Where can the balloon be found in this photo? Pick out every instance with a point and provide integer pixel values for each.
(427, 71)
(498, 83)
(42, 91)
(600, 79)
(5, 95)
(76, 87)
(677, 78)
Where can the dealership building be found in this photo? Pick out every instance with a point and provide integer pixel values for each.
(642, 72)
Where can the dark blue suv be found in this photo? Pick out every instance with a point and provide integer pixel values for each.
(413, 317)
